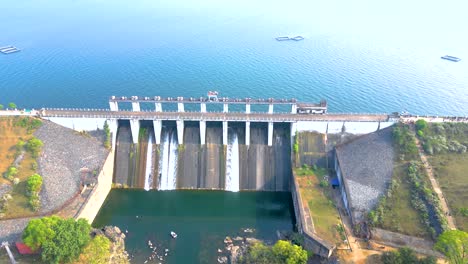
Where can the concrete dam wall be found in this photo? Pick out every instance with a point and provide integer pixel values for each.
(213, 165)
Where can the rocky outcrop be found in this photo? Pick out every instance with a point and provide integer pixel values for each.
(117, 238)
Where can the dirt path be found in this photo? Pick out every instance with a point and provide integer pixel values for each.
(435, 186)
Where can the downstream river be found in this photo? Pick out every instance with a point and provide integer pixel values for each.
(201, 219)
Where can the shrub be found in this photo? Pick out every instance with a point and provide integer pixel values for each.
(11, 173)
(421, 124)
(324, 183)
(34, 146)
(34, 183)
(107, 141)
(12, 105)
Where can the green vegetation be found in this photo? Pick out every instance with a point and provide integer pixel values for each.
(315, 193)
(1, 107)
(405, 256)
(281, 252)
(440, 138)
(60, 240)
(107, 140)
(10, 173)
(405, 208)
(405, 142)
(34, 146)
(296, 144)
(12, 105)
(39, 230)
(30, 124)
(454, 245)
(33, 187)
(15, 133)
(96, 252)
(447, 143)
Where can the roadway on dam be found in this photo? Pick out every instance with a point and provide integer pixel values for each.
(211, 116)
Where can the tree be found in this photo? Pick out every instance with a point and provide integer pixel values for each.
(34, 146)
(1, 107)
(421, 124)
(108, 135)
(39, 230)
(454, 245)
(281, 252)
(70, 238)
(289, 253)
(96, 252)
(12, 105)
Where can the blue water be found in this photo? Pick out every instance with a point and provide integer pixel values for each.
(362, 55)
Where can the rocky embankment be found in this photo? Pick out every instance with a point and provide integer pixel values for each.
(67, 159)
(235, 247)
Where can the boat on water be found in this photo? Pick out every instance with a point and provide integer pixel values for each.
(450, 58)
(282, 38)
(173, 234)
(9, 49)
(297, 38)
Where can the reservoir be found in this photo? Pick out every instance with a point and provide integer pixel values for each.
(201, 219)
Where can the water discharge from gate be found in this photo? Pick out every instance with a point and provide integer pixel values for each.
(149, 168)
(232, 164)
(168, 161)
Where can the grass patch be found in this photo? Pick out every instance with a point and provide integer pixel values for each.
(398, 214)
(395, 211)
(451, 169)
(324, 213)
(12, 131)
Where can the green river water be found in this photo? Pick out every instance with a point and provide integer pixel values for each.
(202, 219)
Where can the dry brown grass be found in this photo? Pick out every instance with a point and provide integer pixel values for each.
(10, 135)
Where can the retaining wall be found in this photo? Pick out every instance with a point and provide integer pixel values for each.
(399, 240)
(305, 225)
(96, 199)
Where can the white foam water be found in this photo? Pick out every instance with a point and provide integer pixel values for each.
(232, 165)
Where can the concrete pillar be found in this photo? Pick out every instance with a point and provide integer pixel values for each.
(114, 106)
(270, 108)
(180, 131)
(157, 126)
(136, 106)
(180, 107)
(247, 108)
(203, 107)
(225, 108)
(247, 133)
(225, 133)
(158, 107)
(135, 127)
(270, 133)
(294, 108)
(202, 132)
(113, 126)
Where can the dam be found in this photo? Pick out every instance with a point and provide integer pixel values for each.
(177, 143)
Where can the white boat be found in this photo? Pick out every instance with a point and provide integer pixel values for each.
(173, 234)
